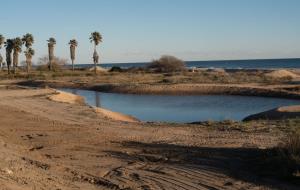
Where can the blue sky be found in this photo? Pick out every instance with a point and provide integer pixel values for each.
(141, 30)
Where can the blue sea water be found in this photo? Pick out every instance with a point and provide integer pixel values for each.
(225, 64)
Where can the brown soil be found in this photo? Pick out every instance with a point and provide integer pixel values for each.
(53, 145)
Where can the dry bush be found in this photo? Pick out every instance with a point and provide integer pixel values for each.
(116, 69)
(284, 160)
(167, 64)
(57, 64)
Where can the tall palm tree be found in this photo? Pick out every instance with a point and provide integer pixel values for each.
(28, 41)
(29, 53)
(17, 47)
(95, 38)
(73, 44)
(51, 43)
(2, 40)
(9, 49)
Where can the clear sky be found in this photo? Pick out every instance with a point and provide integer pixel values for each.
(140, 30)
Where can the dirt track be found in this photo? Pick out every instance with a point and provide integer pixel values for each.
(51, 145)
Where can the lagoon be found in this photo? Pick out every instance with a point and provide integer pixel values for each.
(182, 109)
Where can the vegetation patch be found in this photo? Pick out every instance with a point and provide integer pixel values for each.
(167, 64)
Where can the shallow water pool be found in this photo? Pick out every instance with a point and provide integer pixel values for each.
(182, 109)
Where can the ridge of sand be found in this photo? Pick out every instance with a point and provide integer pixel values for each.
(65, 97)
(116, 115)
(282, 73)
(69, 98)
(286, 112)
(98, 68)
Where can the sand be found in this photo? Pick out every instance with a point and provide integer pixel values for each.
(281, 73)
(69, 98)
(98, 68)
(46, 144)
(116, 116)
(64, 97)
(287, 112)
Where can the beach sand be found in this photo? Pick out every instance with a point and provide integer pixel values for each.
(47, 144)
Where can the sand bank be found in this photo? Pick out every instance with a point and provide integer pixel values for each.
(69, 98)
(116, 116)
(287, 112)
(65, 97)
(200, 89)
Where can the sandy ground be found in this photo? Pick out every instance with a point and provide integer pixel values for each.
(53, 145)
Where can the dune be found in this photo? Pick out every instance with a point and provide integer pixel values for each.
(69, 98)
(281, 74)
(116, 116)
(287, 112)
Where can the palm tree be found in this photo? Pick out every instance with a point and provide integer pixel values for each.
(2, 39)
(51, 43)
(9, 48)
(95, 38)
(17, 47)
(28, 40)
(29, 53)
(73, 44)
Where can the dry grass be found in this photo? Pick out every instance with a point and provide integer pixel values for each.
(140, 76)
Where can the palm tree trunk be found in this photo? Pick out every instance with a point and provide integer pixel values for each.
(28, 66)
(72, 65)
(15, 61)
(50, 51)
(8, 60)
(1, 62)
(95, 61)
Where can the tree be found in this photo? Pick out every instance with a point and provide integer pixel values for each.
(73, 44)
(29, 53)
(51, 44)
(17, 47)
(2, 40)
(28, 41)
(95, 38)
(8, 48)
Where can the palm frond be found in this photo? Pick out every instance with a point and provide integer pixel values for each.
(28, 40)
(51, 41)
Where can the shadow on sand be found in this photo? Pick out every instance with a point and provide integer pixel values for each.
(243, 164)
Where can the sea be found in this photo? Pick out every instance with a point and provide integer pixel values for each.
(293, 63)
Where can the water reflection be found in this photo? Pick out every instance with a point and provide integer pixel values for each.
(97, 99)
